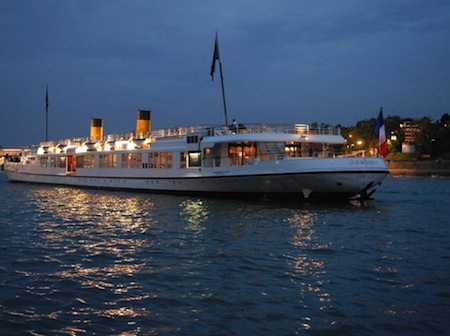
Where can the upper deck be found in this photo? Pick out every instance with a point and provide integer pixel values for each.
(204, 130)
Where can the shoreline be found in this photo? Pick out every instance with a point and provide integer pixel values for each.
(419, 168)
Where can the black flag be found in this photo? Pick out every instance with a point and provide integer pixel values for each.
(216, 57)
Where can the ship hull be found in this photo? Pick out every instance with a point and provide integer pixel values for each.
(343, 181)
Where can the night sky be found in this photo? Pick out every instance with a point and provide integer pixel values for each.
(333, 62)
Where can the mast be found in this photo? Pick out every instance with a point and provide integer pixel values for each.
(46, 113)
(223, 95)
(216, 57)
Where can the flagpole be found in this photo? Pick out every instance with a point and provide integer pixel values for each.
(223, 94)
(46, 113)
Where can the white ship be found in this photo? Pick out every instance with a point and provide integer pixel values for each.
(237, 160)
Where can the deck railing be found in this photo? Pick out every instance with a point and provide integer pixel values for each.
(205, 130)
(212, 130)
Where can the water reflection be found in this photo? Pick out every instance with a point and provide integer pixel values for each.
(92, 239)
(195, 212)
(102, 227)
(309, 268)
(125, 256)
(76, 205)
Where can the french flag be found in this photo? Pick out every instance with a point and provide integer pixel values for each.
(381, 132)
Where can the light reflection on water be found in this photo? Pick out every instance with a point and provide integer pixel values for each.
(85, 261)
(308, 268)
(109, 236)
(101, 233)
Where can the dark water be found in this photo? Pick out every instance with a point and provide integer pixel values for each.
(85, 262)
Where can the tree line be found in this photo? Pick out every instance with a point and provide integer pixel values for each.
(431, 138)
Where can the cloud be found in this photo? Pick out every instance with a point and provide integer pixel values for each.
(292, 61)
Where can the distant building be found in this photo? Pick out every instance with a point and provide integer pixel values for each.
(410, 129)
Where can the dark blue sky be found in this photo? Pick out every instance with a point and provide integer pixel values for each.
(334, 62)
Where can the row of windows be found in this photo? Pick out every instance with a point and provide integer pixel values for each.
(132, 160)
(108, 160)
(85, 161)
(81, 161)
(155, 159)
(129, 160)
(55, 161)
(160, 160)
(239, 154)
(58, 162)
